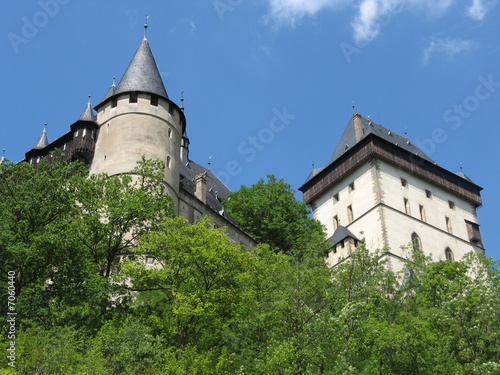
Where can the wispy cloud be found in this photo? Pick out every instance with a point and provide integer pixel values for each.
(293, 11)
(449, 47)
(370, 15)
(479, 8)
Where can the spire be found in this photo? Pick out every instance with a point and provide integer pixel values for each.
(111, 91)
(87, 114)
(42, 140)
(146, 28)
(142, 74)
(2, 159)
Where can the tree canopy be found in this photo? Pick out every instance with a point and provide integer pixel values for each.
(111, 282)
(269, 211)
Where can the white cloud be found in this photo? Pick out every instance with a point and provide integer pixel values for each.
(372, 15)
(479, 8)
(292, 11)
(448, 47)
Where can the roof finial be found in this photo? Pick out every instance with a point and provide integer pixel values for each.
(210, 161)
(353, 107)
(406, 132)
(45, 128)
(182, 100)
(313, 164)
(461, 167)
(146, 28)
(114, 82)
(89, 100)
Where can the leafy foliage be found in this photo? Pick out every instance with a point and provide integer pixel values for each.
(109, 282)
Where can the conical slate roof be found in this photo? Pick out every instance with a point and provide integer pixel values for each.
(87, 114)
(42, 141)
(142, 74)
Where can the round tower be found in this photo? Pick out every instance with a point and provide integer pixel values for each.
(136, 118)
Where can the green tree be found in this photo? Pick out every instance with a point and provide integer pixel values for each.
(269, 211)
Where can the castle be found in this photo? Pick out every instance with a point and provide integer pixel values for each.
(377, 184)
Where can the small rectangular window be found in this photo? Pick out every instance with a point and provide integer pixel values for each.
(451, 204)
(350, 216)
(407, 206)
(448, 225)
(133, 97)
(154, 100)
(335, 198)
(114, 102)
(422, 213)
(351, 187)
(335, 222)
(428, 193)
(404, 183)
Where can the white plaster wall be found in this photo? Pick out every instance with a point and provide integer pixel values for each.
(362, 198)
(132, 130)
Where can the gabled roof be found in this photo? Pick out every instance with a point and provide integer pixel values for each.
(348, 139)
(142, 74)
(340, 234)
(42, 141)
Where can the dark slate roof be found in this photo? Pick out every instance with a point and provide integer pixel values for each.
(340, 234)
(42, 141)
(142, 74)
(87, 114)
(314, 173)
(348, 139)
(464, 176)
(110, 93)
(216, 191)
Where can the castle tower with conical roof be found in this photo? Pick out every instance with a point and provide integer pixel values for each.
(136, 119)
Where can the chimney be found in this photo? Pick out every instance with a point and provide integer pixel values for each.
(358, 126)
(201, 187)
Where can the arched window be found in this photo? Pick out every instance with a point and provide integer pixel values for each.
(449, 254)
(416, 243)
(168, 161)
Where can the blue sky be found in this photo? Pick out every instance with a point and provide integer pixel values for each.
(427, 68)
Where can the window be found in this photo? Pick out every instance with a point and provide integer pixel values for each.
(114, 102)
(84, 132)
(473, 232)
(154, 100)
(168, 161)
(451, 204)
(448, 225)
(351, 187)
(76, 133)
(335, 222)
(428, 193)
(416, 243)
(349, 214)
(335, 198)
(449, 254)
(169, 133)
(404, 183)
(407, 206)
(421, 209)
(133, 97)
